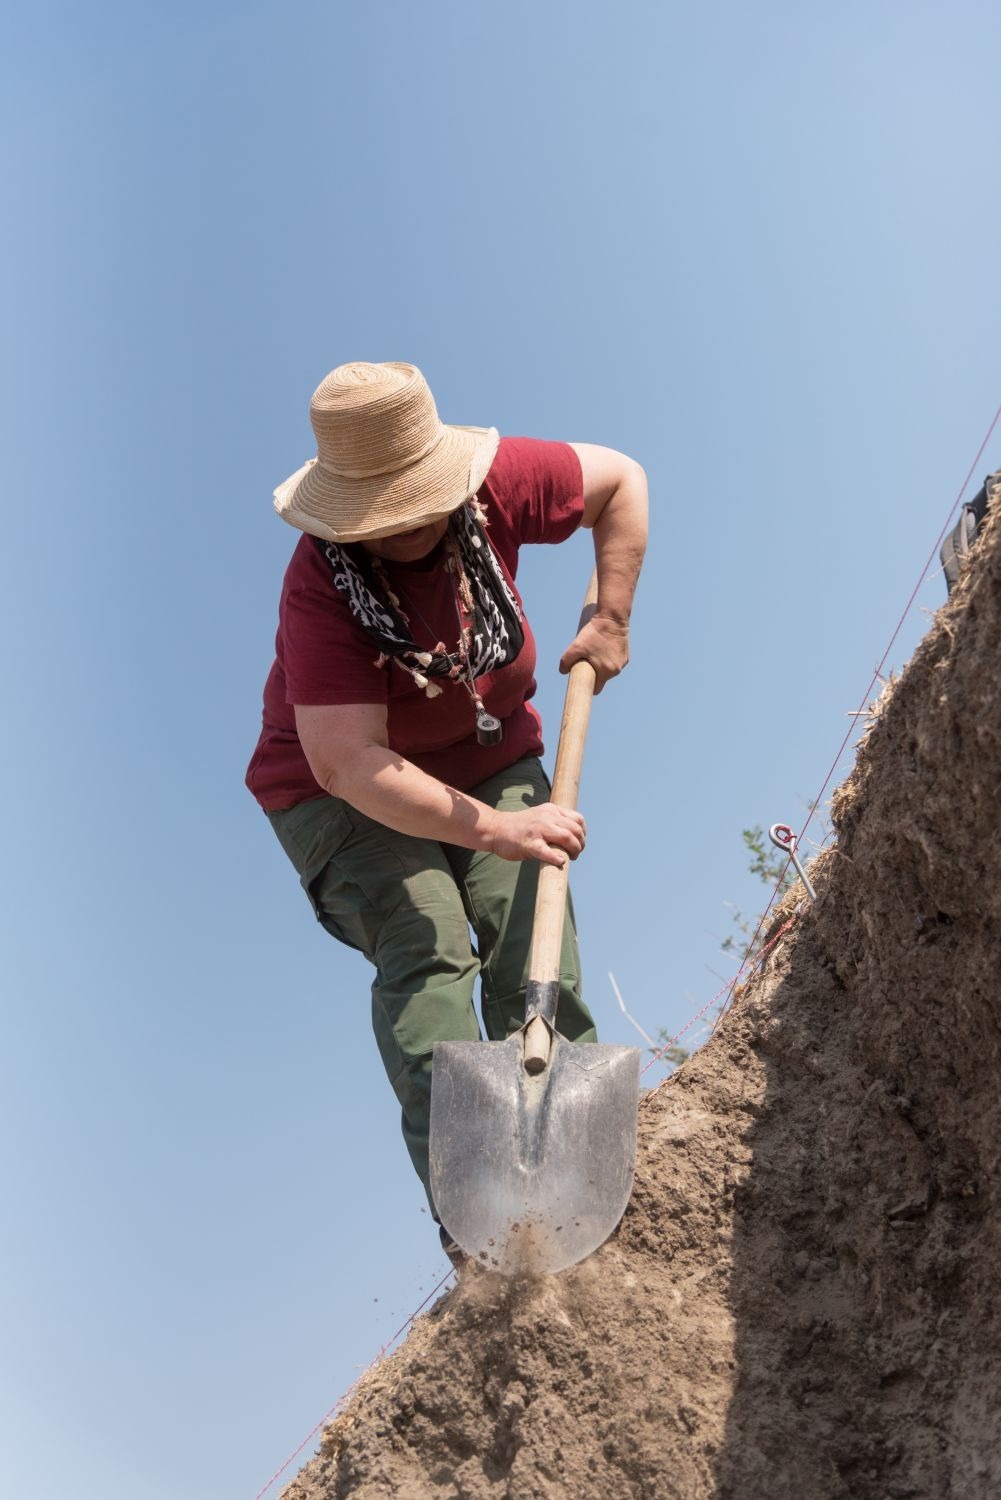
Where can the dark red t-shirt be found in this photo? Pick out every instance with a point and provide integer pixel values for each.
(533, 493)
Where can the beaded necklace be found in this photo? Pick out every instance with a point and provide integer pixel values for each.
(489, 729)
(490, 636)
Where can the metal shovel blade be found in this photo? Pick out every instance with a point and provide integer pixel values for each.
(530, 1174)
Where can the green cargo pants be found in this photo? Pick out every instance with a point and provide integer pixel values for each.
(408, 904)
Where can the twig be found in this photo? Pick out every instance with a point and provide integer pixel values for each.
(622, 1006)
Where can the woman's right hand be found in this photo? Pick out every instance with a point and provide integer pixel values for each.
(546, 833)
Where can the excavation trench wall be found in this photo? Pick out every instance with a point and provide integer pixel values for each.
(801, 1300)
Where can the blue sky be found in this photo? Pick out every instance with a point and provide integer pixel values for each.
(756, 248)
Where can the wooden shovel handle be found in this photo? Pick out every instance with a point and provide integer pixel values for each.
(551, 900)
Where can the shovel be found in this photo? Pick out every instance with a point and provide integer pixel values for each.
(533, 1139)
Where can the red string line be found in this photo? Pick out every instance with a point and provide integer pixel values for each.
(900, 623)
(353, 1386)
(853, 725)
(746, 965)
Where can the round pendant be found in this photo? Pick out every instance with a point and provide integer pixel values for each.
(489, 730)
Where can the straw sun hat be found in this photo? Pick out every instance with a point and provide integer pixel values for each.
(385, 462)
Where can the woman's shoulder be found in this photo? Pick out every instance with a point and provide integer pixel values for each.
(308, 588)
(535, 486)
(307, 559)
(308, 570)
(535, 460)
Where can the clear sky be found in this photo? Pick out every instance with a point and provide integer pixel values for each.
(754, 247)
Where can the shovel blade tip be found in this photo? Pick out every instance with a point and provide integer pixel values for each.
(531, 1174)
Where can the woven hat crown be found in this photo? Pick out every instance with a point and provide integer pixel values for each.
(384, 460)
(373, 419)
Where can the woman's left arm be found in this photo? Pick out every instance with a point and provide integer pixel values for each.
(615, 508)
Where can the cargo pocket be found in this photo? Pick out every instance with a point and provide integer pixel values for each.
(312, 833)
(367, 883)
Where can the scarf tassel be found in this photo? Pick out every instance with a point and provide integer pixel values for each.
(430, 688)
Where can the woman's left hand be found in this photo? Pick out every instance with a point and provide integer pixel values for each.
(603, 642)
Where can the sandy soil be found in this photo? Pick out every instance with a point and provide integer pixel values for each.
(801, 1300)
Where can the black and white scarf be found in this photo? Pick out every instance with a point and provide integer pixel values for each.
(491, 639)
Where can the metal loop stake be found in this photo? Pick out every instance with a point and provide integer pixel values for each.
(783, 838)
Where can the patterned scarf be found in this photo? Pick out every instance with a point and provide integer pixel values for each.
(492, 635)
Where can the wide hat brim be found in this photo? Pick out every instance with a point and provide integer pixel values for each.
(338, 508)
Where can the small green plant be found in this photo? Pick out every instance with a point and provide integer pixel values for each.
(674, 1054)
(773, 869)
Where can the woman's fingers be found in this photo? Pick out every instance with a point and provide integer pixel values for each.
(545, 833)
(567, 829)
(605, 644)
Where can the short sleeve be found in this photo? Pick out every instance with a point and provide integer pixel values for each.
(538, 486)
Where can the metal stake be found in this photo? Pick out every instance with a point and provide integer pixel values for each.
(783, 838)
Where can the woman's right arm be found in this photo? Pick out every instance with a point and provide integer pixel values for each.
(347, 748)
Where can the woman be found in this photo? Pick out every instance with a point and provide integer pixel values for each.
(399, 757)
